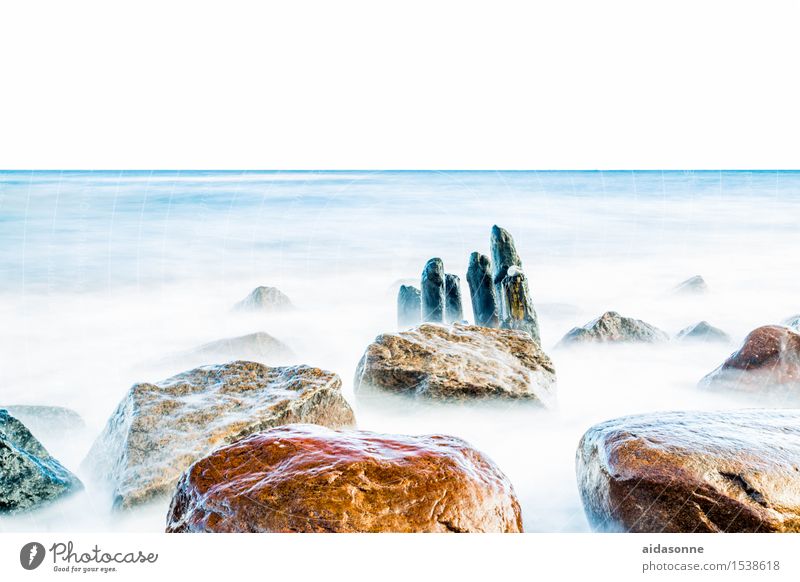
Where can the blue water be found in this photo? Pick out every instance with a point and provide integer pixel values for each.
(104, 273)
(82, 230)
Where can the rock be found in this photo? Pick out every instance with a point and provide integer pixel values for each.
(692, 286)
(734, 471)
(768, 362)
(268, 299)
(792, 322)
(704, 332)
(259, 347)
(409, 307)
(158, 430)
(458, 362)
(504, 255)
(452, 301)
(29, 476)
(53, 420)
(482, 291)
(433, 291)
(304, 478)
(519, 311)
(611, 327)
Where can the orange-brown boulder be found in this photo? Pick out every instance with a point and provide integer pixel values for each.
(307, 478)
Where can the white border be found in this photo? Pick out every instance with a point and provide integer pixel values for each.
(612, 84)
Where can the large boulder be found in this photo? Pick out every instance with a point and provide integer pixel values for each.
(733, 471)
(303, 478)
(768, 362)
(159, 429)
(458, 362)
(611, 327)
(269, 299)
(29, 476)
(702, 332)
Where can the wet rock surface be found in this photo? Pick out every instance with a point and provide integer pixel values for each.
(159, 429)
(767, 363)
(409, 307)
(269, 299)
(482, 291)
(692, 286)
(734, 471)
(611, 327)
(433, 291)
(452, 301)
(504, 256)
(458, 362)
(29, 476)
(519, 312)
(703, 332)
(303, 478)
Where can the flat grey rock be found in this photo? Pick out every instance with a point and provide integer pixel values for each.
(611, 327)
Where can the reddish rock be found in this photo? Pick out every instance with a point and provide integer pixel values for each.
(768, 361)
(306, 478)
(735, 471)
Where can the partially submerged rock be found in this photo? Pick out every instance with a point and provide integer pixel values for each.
(692, 286)
(158, 430)
(54, 420)
(482, 291)
(269, 299)
(452, 299)
(519, 312)
(409, 307)
(735, 471)
(504, 256)
(767, 363)
(29, 476)
(303, 478)
(703, 332)
(433, 291)
(611, 327)
(458, 362)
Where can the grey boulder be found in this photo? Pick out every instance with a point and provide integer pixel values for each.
(29, 476)
(159, 429)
